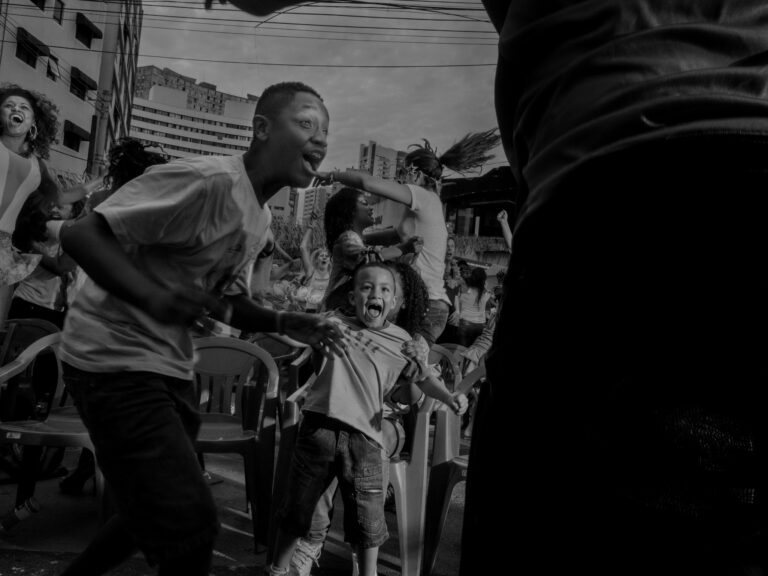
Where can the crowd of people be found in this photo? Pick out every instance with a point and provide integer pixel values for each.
(623, 358)
(145, 259)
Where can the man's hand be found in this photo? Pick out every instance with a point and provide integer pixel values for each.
(315, 330)
(502, 216)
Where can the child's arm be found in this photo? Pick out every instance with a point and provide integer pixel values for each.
(364, 181)
(431, 385)
(93, 245)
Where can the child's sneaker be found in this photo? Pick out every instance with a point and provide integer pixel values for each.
(304, 556)
(272, 571)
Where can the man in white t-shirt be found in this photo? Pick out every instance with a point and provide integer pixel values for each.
(165, 250)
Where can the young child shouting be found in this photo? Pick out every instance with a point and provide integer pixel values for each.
(340, 435)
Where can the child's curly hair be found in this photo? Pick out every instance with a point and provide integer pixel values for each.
(415, 297)
(340, 214)
(46, 118)
(128, 158)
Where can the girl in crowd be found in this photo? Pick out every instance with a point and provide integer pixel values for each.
(470, 315)
(423, 171)
(317, 271)
(347, 215)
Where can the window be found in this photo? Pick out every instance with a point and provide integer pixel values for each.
(29, 48)
(86, 30)
(80, 83)
(39, 3)
(53, 71)
(73, 135)
(58, 11)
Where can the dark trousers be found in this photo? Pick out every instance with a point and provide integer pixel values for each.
(627, 376)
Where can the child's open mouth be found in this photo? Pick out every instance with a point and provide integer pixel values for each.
(374, 309)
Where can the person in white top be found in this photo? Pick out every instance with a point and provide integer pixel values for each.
(420, 192)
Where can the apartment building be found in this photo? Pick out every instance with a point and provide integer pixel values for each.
(164, 120)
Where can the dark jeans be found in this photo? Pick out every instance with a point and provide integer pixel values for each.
(628, 371)
(325, 450)
(437, 318)
(142, 426)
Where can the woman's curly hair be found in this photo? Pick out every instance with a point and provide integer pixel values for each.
(415, 297)
(340, 214)
(46, 118)
(467, 154)
(129, 158)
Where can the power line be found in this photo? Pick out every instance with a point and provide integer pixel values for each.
(287, 65)
(219, 22)
(304, 37)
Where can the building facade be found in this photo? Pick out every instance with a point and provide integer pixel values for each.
(165, 121)
(203, 97)
(82, 55)
(315, 199)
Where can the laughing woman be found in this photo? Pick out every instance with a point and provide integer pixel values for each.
(28, 126)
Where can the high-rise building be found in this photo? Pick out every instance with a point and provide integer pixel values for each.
(384, 163)
(203, 97)
(285, 203)
(380, 161)
(315, 200)
(164, 120)
(82, 56)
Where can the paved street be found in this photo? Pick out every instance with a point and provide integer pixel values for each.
(44, 543)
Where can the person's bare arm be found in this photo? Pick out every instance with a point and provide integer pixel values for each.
(505, 229)
(364, 181)
(93, 245)
(312, 329)
(306, 256)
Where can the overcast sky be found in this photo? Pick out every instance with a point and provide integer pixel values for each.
(383, 101)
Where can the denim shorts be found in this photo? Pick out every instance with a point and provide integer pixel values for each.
(327, 449)
(143, 426)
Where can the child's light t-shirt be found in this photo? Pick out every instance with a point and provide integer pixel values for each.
(191, 223)
(351, 386)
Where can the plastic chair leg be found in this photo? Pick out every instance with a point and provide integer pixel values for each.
(442, 480)
(410, 494)
(259, 514)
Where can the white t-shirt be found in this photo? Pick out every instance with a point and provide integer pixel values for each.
(425, 218)
(194, 222)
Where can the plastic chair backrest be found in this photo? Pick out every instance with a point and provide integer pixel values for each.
(24, 364)
(449, 364)
(228, 372)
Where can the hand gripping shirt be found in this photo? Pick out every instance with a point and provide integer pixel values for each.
(351, 386)
(191, 223)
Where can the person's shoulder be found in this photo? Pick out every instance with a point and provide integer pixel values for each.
(206, 166)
